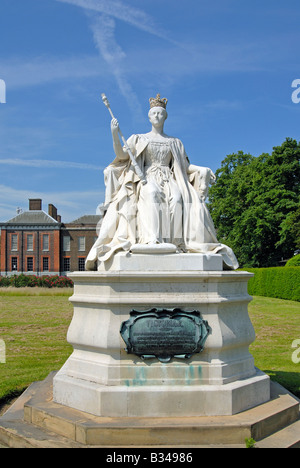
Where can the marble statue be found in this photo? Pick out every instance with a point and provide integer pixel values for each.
(165, 210)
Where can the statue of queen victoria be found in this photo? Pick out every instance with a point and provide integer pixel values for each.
(165, 211)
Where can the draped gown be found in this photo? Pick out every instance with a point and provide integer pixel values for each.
(170, 207)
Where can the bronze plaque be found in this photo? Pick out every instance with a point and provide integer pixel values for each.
(164, 333)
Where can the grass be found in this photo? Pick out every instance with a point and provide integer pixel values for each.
(11, 291)
(34, 324)
(277, 325)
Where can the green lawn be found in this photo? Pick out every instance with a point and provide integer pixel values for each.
(34, 328)
(277, 325)
(34, 324)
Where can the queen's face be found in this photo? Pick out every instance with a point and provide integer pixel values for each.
(157, 116)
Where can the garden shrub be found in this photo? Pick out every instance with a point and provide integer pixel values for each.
(56, 282)
(32, 281)
(294, 261)
(4, 281)
(278, 282)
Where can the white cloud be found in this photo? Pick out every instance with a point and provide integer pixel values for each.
(119, 10)
(103, 28)
(44, 163)
(102, 15)
(20, 73)
(221, 104)
(187, 58)
(70, 205)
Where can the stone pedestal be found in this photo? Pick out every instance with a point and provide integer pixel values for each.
(101, 378)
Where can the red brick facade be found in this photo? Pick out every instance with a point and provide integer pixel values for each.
(3, 250)
(35, 242)
(25, 250)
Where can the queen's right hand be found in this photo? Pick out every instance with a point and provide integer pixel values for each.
(114, 127)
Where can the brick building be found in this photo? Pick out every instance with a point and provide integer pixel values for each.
(77, 239)
(38, 243)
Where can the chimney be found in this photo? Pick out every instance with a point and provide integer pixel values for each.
(59, 218)
(35, 204)
(52, 211)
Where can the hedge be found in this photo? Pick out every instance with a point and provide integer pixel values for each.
(278, 282)
(294, 261)
(32, 281)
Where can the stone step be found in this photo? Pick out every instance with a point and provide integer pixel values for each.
(17, 433)
(20, 434)
(289, 437)
(35, 421)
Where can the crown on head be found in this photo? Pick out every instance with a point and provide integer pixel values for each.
(158, 102)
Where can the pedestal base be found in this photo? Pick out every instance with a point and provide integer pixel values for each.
(159, 259)
(35, 421)
(102, 379)
(162, 401)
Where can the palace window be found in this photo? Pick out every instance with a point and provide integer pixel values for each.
(14, 263)
(29, 263)
(14, 242)
(67, 244)
(81, 264)
(45, 264)
(81, 244)
(46, 242)
(29, 241)
(66, 266)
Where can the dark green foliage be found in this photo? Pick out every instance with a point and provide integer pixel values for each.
(280, 282)
(255, 205)
(4, 281)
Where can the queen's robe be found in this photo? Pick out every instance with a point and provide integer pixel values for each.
(119, 228)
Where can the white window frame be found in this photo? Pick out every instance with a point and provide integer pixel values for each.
(29, 259)
(29, 247)
(14, 262)
(66, 243)
(65, 261)
(81, 244)
(14, 242)
(46, 260)
(81, 264)
(46, 241)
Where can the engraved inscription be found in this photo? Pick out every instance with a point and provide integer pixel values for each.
(164, 333)
(159, 335)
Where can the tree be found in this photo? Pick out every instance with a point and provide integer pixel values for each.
(255, 204)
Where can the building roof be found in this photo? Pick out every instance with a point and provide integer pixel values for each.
(86, 219)
(32, 217)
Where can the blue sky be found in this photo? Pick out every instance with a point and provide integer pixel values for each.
(226, 67)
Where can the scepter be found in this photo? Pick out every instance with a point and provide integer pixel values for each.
(137, 168)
